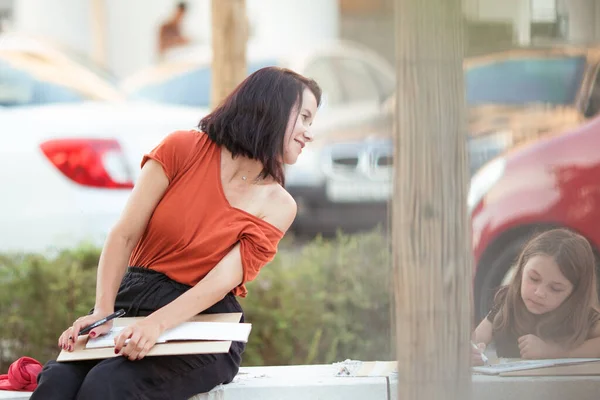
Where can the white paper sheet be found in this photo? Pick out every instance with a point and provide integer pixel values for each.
(520, 365)
(186, 331)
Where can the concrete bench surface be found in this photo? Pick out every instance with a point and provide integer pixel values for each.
(531, 388)
(309, 382)
(303, 382)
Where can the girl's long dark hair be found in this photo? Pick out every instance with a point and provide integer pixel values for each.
(569, 324)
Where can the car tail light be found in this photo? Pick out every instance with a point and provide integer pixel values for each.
(90, 162)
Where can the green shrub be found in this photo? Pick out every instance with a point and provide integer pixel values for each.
(320, 302)
(326, 302)
(41, 297)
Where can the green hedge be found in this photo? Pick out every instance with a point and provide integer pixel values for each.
(320, 302)
(39, 298)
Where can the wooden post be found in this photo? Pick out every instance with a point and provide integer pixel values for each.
(98, 26)
(229, 38)
(431, 255)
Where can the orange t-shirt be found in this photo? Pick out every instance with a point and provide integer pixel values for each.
(193, 226)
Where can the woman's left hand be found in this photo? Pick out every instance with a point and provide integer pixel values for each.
(532, 347)
(142, 337)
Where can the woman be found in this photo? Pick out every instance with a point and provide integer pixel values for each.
(206, 213)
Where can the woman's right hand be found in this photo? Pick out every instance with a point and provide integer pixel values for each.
(66, 341)
(476, 358)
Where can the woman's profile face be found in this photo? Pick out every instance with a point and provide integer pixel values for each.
(298, 133)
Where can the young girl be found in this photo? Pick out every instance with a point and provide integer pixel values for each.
(550, 309)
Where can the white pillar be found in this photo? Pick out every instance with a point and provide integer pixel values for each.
(284, 24)
(63, 21)
(523, 22)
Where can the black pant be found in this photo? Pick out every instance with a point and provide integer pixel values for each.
(156, 377)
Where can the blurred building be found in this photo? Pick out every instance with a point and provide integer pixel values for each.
(122, 34)
(490, 24)
(127, 29)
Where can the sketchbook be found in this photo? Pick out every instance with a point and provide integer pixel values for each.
(520, 365)
(185, 331)
(178, 347)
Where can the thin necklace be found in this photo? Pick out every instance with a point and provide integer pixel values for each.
(258, 178)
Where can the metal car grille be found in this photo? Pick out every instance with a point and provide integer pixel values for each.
(370, 161)
(345, 162)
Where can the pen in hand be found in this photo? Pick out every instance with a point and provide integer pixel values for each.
(87, 329)
(483, 356)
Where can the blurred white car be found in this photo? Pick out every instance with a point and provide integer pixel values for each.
(36, 71)
(68, 169)
(71, 147)
(355, 80)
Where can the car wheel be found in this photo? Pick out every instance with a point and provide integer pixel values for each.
(492, 273)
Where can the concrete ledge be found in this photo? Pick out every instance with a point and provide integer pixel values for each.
(320, 382)
(539, 387)
(303, 382)
(530, 388)
(9, 395)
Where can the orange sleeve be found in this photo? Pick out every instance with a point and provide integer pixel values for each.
(258, 246)
(173, 152)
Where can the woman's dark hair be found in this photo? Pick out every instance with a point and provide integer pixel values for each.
(253, 119)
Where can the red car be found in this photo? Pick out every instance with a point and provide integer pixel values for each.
(550, 182)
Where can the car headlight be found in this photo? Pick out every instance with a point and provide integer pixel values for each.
(484, 180)
(485, 147)
(307, 171)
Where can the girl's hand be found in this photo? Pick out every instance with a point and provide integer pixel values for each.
(532, 347)
(66, 341)
(476, 358)
(142, 337)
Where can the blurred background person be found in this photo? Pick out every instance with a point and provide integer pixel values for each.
(170, 34)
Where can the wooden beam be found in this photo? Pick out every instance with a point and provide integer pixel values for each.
(431, 252)
(229, 38)
(98, 26)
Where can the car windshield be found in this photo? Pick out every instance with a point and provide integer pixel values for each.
(191, 88)
(27, 80)
(97, 69)
(548, 80)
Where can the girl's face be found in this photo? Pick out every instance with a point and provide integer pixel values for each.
(544, 288)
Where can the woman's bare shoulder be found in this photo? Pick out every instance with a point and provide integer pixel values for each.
(280, 207)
